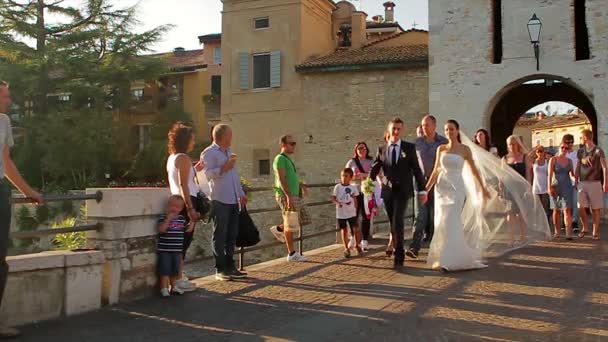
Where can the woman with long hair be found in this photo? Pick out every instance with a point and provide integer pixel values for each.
(450, 250)
(517, 159)
(470, 214)
(540, 177)
(482, 138)
(361, 163)
(180, 174)
(561, 189)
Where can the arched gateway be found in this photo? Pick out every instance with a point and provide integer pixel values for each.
(511, 102)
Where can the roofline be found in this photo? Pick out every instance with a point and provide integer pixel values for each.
(186, 69)
(363, 66)
(213, 37)
(562, 125)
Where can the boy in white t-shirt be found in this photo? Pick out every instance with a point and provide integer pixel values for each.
(344, 197)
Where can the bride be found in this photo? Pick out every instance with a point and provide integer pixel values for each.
(470, 205)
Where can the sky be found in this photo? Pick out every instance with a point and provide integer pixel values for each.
(192, 18)
(556, 106)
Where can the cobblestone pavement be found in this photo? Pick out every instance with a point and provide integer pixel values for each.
(554, 291)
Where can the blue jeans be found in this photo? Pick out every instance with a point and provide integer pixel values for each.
(424, 221)
(225, 218)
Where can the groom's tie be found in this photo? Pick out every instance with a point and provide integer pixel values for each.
(394, 154)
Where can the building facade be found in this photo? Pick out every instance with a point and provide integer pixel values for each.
(549, 131)
(320, 71)
(483, 70)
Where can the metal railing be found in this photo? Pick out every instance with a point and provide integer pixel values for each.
(98, 197)
(241, 251)
(96, 226)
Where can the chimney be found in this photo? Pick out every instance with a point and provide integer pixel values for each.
(389, 11)
(359, 29)
(179, 51)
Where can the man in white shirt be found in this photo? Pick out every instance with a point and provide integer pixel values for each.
(568, 140)
(8, 171)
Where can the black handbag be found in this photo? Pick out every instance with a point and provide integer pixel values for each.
(201, 204)
(248, 235)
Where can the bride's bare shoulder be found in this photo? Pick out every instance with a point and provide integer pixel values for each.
(465, 151)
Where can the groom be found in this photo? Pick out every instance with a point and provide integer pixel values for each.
(399, 162)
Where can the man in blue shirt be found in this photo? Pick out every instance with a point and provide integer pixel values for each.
(426, 148)
(227, 197)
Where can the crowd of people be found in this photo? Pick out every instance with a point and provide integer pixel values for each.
(399, 171)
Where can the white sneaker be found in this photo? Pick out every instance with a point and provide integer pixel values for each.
(186, 286)
(164, 292)
(351, 243)
(177, 291)
(184, 277)
(277, 234)
(364, 245)
(296, 257)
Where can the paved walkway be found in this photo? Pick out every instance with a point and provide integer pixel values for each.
(548, 292)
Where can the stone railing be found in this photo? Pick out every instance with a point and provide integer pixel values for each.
(51, 285)
(119, 264)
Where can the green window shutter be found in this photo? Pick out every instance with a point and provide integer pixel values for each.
(244, 70)
(275, 69)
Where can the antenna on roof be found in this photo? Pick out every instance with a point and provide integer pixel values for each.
(414, 25)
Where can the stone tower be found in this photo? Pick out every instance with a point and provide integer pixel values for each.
(483, 70)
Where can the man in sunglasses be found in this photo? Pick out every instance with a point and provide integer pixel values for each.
(289, 194)
(568, 140)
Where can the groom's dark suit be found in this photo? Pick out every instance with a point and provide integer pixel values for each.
(399, 188)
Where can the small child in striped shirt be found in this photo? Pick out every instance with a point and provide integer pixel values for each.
(171, 227)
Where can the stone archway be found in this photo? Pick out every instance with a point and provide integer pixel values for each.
(519, 96)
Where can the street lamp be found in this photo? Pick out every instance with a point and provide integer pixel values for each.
(534, 28)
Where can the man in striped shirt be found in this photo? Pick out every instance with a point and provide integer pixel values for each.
(171, 227)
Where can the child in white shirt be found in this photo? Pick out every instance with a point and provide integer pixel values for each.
(344, 197)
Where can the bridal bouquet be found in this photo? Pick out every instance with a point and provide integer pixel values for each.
(367, 186)
(369, 203)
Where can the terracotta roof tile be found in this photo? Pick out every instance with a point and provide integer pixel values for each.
(395, 35)
(368, 56)
(181, 59)
(561, 121)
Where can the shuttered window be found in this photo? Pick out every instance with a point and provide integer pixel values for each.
(266, 71)
(261, 71)
(244, 70)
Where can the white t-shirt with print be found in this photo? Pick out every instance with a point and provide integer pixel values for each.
(346, 194)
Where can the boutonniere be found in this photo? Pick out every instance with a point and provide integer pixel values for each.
(403, 155)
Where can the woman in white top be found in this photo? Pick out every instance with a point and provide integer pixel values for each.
(180, 174)
(540, 178)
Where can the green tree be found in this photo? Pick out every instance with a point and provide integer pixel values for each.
(149, 164)
(90, 52)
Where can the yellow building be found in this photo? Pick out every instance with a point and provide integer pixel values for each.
(188, 82)
(549, 131)
(320, 71)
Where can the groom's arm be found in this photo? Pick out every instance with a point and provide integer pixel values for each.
(416, 170)
(377, 165)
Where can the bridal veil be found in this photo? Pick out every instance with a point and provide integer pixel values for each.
(511, 218)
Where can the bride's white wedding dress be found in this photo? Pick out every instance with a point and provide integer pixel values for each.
(449, 248)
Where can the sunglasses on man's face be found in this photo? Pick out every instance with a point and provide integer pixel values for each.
(292, 143)
(569, 142)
